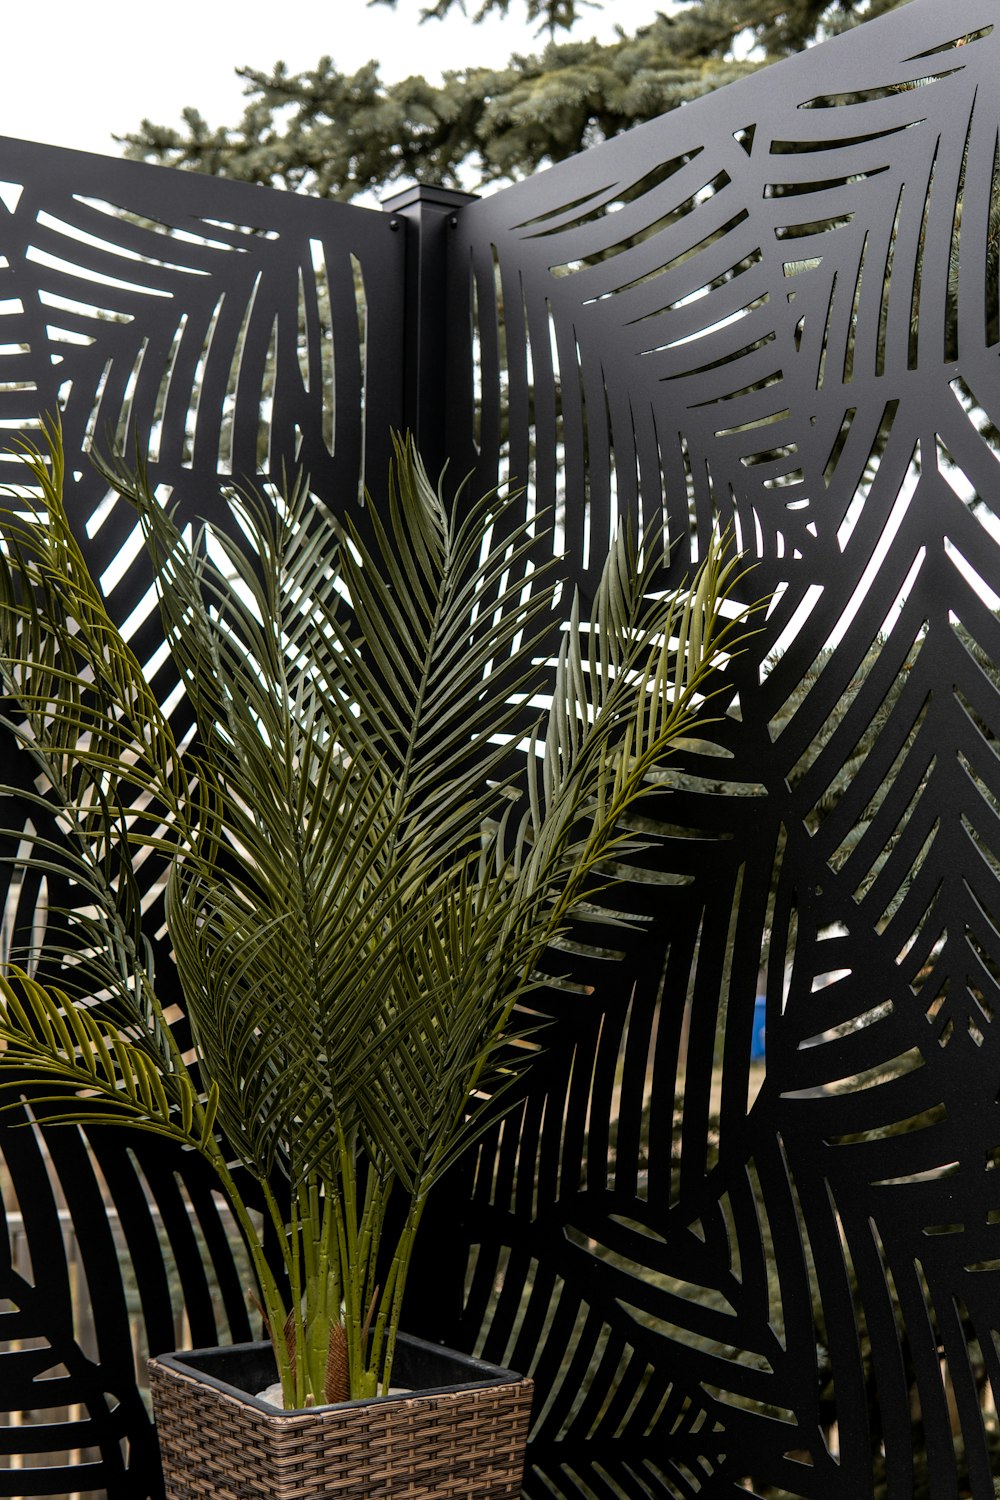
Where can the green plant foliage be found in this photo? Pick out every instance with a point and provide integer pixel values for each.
(358, 895)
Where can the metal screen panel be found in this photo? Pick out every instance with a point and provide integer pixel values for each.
(229, 334)
(774, 310)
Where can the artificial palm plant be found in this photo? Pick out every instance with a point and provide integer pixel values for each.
(358, 892)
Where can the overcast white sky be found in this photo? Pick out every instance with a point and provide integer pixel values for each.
(76, 74)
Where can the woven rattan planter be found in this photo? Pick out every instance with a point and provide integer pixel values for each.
(460, 1437)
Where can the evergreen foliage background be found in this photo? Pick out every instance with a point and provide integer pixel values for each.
(339, 134)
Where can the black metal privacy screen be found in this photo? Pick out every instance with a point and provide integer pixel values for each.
(775, 310)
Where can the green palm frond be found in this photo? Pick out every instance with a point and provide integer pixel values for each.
(106, 770)
(437, 676)
(640, 683)
(100, 1073)
(84, 702)
(360, 891)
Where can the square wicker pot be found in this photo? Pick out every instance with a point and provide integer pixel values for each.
(459, 1436)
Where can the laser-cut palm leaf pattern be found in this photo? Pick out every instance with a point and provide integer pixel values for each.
(777, 307)
(777, 310)
(223, 331)
(100, 1244)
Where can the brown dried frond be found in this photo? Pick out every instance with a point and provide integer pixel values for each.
(337, 1385)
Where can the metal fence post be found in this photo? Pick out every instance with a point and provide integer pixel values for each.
(426, 214)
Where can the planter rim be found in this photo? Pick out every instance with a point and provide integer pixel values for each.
(182, 1362)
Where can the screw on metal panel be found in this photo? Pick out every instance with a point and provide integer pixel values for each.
(393, 223)
(453, 221)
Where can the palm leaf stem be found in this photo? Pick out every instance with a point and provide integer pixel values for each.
(390, 1313)
(357, 901)
(275, 1311)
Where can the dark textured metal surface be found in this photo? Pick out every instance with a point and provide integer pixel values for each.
(228, 333)
(225, 328)
(776, 309)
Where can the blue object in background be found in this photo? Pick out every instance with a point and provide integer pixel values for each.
(757, 1035)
